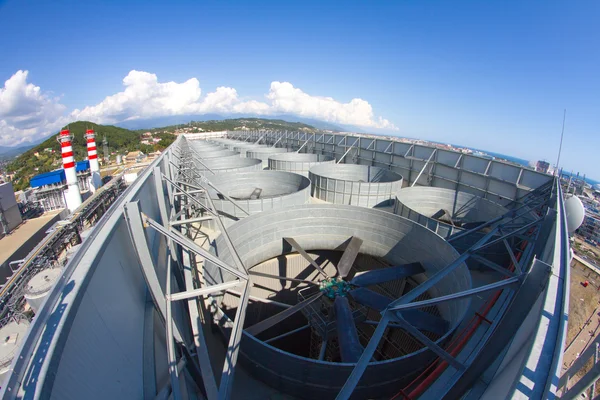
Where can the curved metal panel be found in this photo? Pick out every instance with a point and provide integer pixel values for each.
(259, 237)
(299, 163)
(358, 185)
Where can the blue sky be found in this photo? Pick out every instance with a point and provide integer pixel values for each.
(491, 75)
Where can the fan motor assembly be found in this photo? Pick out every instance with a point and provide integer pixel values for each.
(321, 276)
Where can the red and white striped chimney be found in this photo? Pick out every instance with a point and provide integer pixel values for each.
(91, 148)
(72, 194)
(95, 180)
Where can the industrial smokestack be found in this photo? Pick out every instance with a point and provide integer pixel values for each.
(72, 194)
(95, 180)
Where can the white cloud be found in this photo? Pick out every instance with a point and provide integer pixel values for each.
(286, 98)
(145, 97)
(27, 114)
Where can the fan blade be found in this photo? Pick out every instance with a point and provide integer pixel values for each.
(371, 299)
(425, 321)
(350, 347)
(419, 319)
(277, 318)
(304, 254)
(382, 275)
(349, 256)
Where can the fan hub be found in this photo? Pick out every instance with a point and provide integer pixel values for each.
(334, 287)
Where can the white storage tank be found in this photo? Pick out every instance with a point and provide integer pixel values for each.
(11, 336)
(39, 286)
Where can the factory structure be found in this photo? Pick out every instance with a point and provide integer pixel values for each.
(10, 214)
(254, 265)
(69, 186)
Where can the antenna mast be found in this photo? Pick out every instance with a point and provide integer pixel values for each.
(561, 141)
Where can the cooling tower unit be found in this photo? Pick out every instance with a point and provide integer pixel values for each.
(445, 211)
(202, 145)
(324, 274)
(265, 153)
(243, 148)
(299, 163)
(258, 191)
(226, 143)
(358, 185)
(214, 166)
(12, 335)
(39, 286)
(221, 153)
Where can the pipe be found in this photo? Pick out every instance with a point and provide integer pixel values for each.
(72, 194)
(95, 180)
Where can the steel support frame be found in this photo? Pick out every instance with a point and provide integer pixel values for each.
(334, 139)
(405, 301)
(391, 313)
(137, 221)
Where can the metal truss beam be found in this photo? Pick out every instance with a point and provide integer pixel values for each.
(424, 166)
(348, 151)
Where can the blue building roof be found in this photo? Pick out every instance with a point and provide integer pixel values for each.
(58, 176)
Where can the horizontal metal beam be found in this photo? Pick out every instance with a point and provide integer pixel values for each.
(460, 295)
(191, 220)
(203, 291)
(287, 333)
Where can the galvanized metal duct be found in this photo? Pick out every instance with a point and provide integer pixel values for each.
(358, 185)
(213, 166)
(221, 153)
(299, 163)
(228, 143)
(265, 153)
(203, 145)
(422, 203)
(243, 147)
(328, 227)
(258, 191)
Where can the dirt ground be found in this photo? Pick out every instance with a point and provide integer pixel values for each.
(584, 317)
(586, 250)
(583, 300)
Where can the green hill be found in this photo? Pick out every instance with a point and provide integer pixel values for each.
(27, 164)
(236, 124)
(124, 140)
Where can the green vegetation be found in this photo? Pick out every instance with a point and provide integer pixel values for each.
(123, 140)
(28, 164)
(237, 124)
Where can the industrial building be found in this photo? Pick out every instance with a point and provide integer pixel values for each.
(49, 188)
(10, 215)
(542, 166)
(590, 229)
(354, 267)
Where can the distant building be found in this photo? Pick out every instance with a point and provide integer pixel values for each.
(48, 188)
(590, 229)
(135, 157)
(10, 215)
(542, 166)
